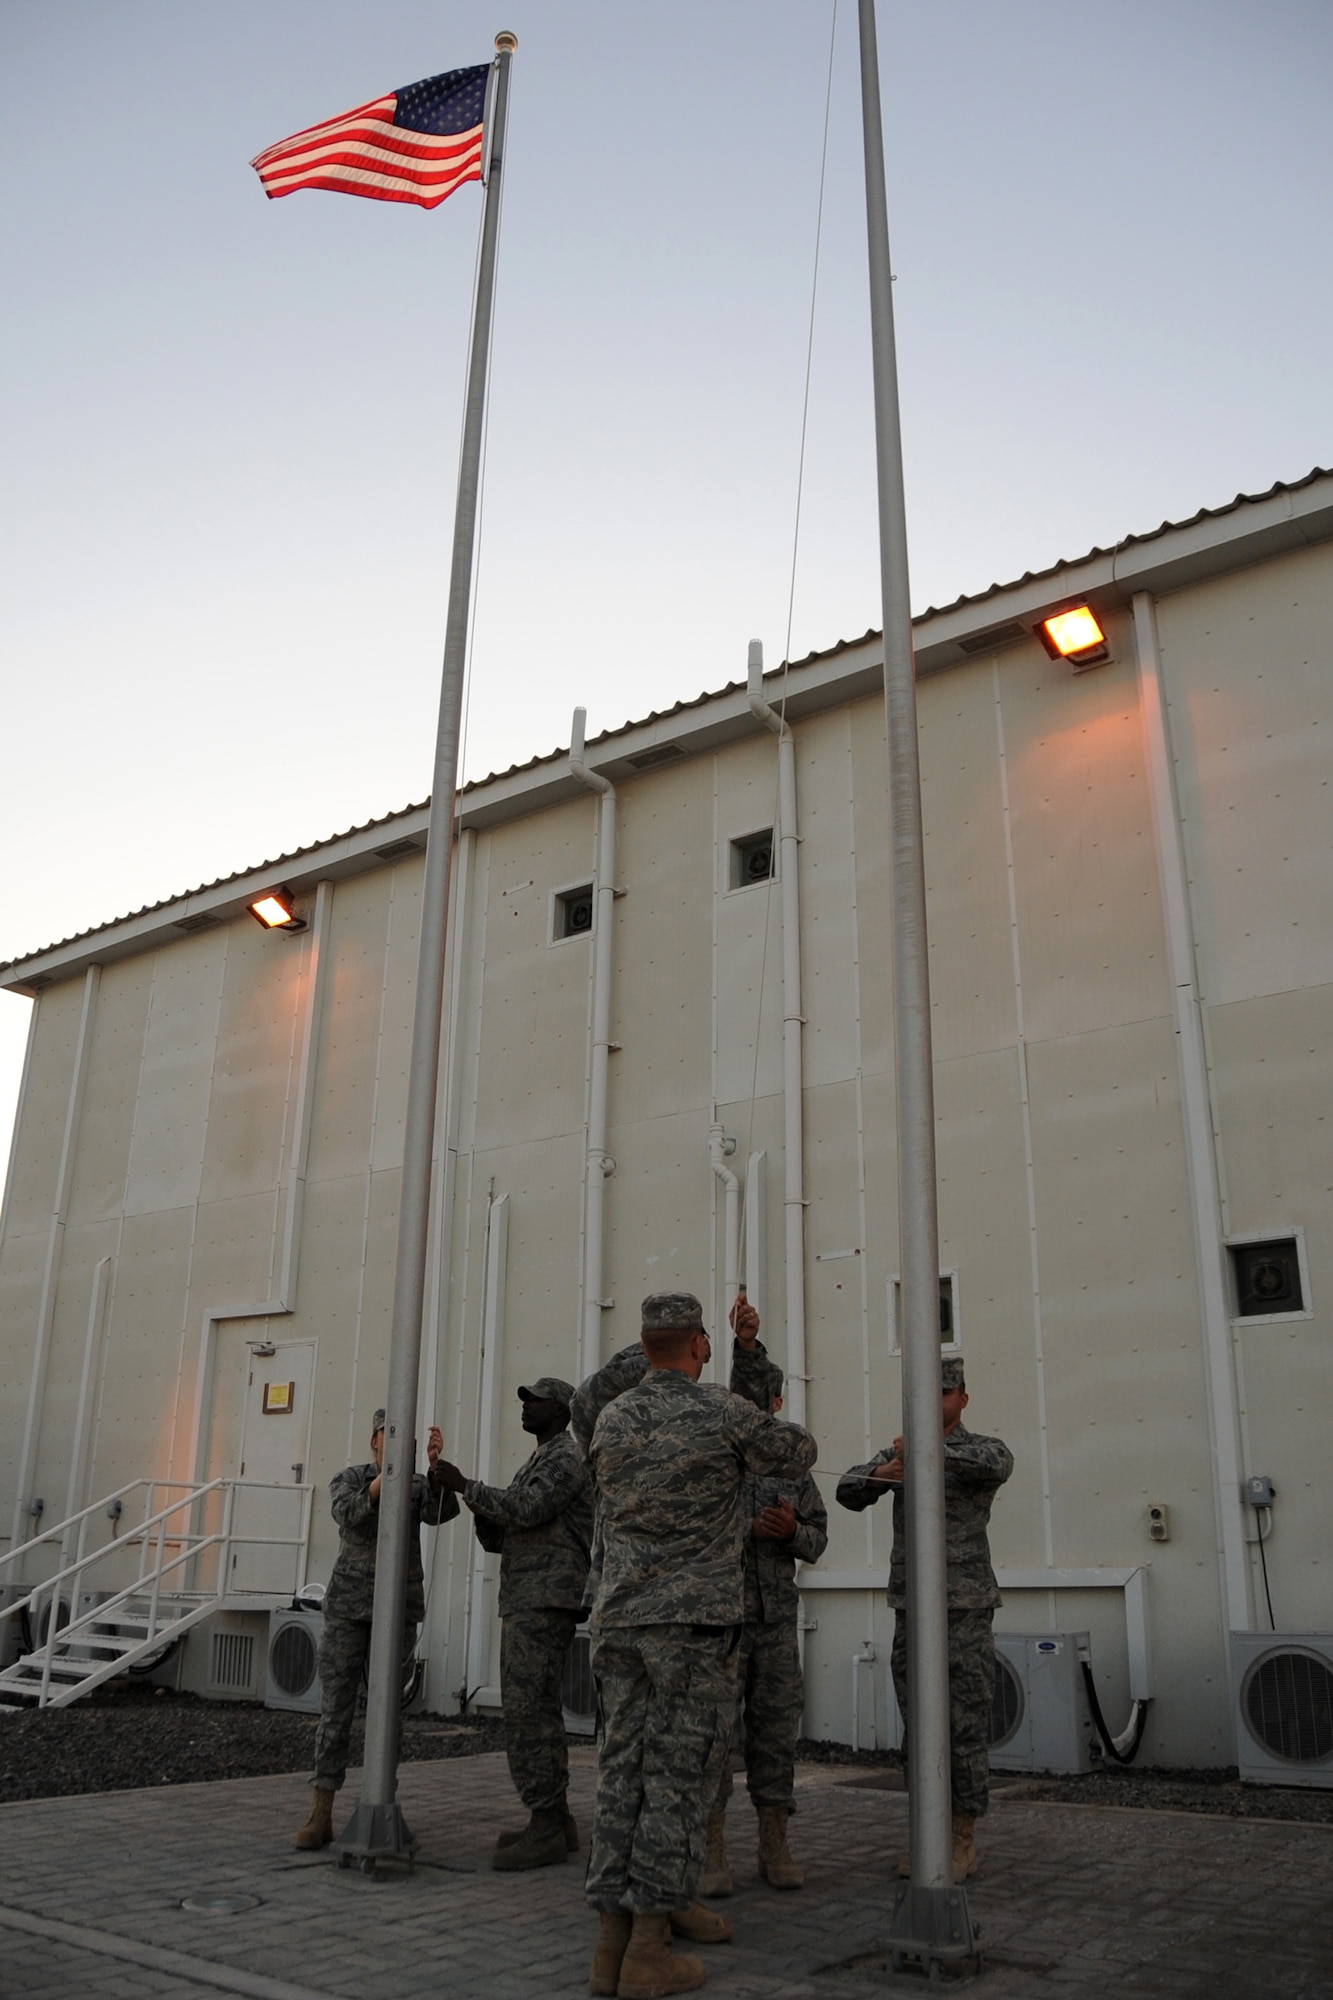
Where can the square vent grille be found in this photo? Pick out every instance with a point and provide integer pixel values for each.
(231, 1662)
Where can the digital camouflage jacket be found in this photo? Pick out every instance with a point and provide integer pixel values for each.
(612, 1379)
(974, 1469)
(540, 1525)
(771, 1596)
(669, 1459)
(351, 1591)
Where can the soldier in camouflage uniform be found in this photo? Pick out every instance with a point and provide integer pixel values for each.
(668, 1459)
(788, 1522)
(349, 1603)
(540, 1525)
(974, 1468)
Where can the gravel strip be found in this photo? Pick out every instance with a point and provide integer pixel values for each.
(124, 1737)
(1148, 1790)
(130, 1735)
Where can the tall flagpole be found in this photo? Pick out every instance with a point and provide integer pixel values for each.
(931, 1922)
(377, 1830)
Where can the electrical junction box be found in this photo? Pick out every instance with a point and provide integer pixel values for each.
(1039, 1717)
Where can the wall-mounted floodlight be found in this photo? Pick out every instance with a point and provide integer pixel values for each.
(1074, 635)
(276, 911)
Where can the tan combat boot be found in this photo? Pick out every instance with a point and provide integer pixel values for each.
(541, 1842)
(650, 1969)
(701, 1925)
(716, 1878)
(609, 1950)
(318, 1829)
(964, 1847)
(775, 1860)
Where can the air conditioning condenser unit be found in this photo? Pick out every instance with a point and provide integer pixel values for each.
(1039, 1716)
(1282, 1699)
(293, 1661)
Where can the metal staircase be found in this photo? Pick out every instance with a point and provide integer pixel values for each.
(180, 1559)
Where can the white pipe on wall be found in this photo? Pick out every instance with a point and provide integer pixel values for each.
(488, 1424)
(793, 1020)
(719, 1146)
(859, 1660)
(599, 1165)
(76, 1496)
(1197, 1115)
(446, 1156)
(46, 1310)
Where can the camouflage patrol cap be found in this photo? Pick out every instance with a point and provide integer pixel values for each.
(672, 1312)
(952, 1370)
(548, 1389)
(377, 1422)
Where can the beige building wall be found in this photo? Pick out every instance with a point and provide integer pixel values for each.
(1064, 1155)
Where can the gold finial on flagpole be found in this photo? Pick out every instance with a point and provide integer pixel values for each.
(506, 42)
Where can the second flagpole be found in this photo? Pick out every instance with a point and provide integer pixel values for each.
(377, 1830)
(931, 1922)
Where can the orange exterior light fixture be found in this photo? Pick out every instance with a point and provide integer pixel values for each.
(1076, 636)
(275, 911)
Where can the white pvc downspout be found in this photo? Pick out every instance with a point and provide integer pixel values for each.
(719, 1146)
(1197, 1116)
(865, 1658)
(599, 1165)
(55, 1239)
(793, 1020)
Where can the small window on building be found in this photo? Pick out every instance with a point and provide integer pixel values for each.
(752, 860)
(573, 911)
(950, 1336)
(1267, 1278)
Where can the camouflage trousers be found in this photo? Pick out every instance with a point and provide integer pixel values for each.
(344, 1648)
(770, 1700)
(533, 1646)
(668, 1699)
(971, 1692)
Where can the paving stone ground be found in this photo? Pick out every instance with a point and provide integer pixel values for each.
(1073, 1900)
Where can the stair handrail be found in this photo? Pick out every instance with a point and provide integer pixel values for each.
(62, 1528)
(137, 1534)
(187, 1546)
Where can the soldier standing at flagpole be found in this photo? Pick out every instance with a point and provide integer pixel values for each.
(975, 1468)
(540, 1525)
(669, 1459)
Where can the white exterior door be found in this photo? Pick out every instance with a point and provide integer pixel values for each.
(275, 1441)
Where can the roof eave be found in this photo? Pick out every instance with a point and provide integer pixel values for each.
(1174, 558)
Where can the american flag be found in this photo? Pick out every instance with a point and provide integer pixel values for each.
(417, 144)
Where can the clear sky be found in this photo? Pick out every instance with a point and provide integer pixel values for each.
(232, 424)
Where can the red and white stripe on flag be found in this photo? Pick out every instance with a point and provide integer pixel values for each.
(364, 152)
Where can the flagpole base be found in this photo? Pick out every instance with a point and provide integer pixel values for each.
(374, 1834)
(931, 1930)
